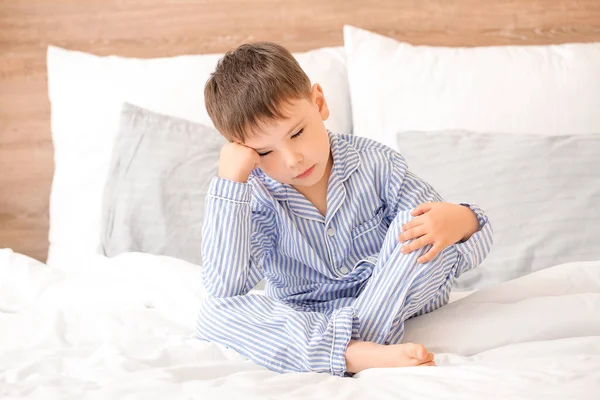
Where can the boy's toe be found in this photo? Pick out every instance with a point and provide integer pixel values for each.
(428, 364)
(420, 352)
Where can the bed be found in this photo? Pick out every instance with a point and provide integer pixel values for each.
(83, 317)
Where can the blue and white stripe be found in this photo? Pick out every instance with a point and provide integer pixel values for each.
(329, 279)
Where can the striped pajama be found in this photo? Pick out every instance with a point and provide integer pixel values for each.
(329, 279)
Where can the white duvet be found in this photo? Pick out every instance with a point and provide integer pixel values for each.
(123, 328)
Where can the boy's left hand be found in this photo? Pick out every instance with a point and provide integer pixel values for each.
(438, 224)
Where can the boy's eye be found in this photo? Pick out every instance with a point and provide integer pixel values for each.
(293, 137)
(298, 134)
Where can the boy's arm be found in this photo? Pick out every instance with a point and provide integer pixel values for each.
(407, 191)
(236, 239)
(475, 248)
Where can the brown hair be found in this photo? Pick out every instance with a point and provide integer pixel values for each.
(250, 85)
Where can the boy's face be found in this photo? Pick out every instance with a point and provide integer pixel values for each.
(295, 150)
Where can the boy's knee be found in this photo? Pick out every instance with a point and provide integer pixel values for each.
(402, 217)
(395, 229)
(212, 305)
(211, 309)
(211, 302)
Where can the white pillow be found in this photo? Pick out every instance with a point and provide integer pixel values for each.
(86, 96)
(511, 89)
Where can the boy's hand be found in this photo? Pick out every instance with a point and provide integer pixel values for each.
(438, 224)
(237, 161)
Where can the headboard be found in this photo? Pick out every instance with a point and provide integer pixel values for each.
(151, 28)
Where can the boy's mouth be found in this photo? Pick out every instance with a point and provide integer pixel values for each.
(305, 173)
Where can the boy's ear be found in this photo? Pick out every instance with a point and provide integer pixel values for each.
(318, 98)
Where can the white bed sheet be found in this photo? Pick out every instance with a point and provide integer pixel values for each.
(123, 328)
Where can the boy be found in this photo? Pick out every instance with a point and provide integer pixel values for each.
(350, 242)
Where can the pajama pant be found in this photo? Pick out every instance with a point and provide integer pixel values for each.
(286, 337)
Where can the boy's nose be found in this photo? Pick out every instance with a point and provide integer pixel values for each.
(292, 159)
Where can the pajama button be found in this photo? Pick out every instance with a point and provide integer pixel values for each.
(330, 232)
(344, 270)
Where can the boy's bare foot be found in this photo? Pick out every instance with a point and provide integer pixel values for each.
(364, 355)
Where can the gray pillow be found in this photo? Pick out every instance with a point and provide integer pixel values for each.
(158, 179)
(542, 194)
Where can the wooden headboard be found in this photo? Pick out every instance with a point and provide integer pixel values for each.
(151, 28)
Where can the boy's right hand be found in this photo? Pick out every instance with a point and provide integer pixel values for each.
(237, 161)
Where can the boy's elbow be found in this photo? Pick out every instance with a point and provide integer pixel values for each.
(219, 289)
(223, 292)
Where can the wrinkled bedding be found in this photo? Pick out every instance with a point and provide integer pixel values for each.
(123, 327)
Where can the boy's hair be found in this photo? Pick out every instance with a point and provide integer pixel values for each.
(249, 87)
